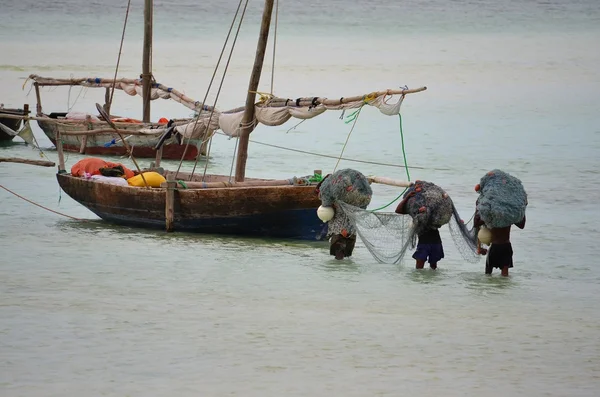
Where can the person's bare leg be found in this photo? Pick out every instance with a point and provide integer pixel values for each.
(433, 266)
(505, 271)
(420, 264)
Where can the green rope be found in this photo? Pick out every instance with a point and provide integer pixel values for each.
(405, 166)
(182, 183)
(352, 116)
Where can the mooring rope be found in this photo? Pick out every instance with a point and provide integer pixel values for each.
(354, 120)
(217, 97)
(119, 57)
(41, 206)
(210, 84)
(274, 44)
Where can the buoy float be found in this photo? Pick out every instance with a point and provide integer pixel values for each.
(325, 213)
(484, 235)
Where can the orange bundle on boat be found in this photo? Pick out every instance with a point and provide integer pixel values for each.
(92, 165)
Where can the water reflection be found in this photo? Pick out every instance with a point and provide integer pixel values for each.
(426, 276)
(99, 227)
(485, 284)
(346, 265)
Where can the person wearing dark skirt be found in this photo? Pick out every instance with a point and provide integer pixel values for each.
(429, 244)
(500, 253)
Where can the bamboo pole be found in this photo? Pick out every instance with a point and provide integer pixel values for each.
(388, 181)
(147, 61)
(248, 118)
(41, 163)
(308, 101)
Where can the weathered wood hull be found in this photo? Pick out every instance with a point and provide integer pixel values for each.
(13, 124)
(143, 145)
(273, 211)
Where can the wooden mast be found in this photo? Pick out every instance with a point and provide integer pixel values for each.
(146, 60)
(247, 120)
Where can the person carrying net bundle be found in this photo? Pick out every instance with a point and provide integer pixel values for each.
(430, 207)
(501, 203)
(343, 186)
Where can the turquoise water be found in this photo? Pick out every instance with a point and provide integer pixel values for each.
(90, 308)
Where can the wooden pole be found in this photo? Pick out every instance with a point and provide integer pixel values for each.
(27, 161)
(248, 119)
(147, 61)
(107, 101)
(38, 107)
(170, 202)
(26, 110)
(158, 157)
(61, 155)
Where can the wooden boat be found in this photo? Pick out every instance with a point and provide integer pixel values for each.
(261, 211)
(87, 134)
(216, 203)
(13, 124)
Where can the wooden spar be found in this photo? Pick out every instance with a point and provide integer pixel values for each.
(146, 61)
(308, 101)
(170, 202)
(59, 150)
(388, 181)
(38, 107)
(41, 163)
(20, 117)
(258, 183)
(108, 82)
(248, 119)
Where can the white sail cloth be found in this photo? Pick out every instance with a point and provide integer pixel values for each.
(231, 122)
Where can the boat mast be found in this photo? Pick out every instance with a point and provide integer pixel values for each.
(147, 60)
(247, 120)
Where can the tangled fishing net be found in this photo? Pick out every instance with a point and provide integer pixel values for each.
(345, 186)
(389, 235)
(502, 199)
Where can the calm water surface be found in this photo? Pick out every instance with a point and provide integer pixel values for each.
(93, 309)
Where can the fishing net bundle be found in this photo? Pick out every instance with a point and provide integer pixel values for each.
(345, 186)
(502, 199)
(389, 235)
